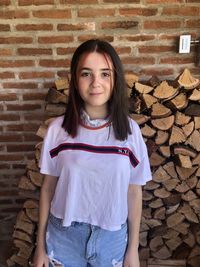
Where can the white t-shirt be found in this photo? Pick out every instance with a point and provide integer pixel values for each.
(94, 170)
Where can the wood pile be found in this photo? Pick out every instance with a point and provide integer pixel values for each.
(168, 114)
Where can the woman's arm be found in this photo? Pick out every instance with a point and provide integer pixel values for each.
(134, 218)
(46, 195)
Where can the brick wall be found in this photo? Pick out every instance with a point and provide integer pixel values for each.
(37, 38)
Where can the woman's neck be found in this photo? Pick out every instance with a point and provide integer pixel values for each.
(96, 112)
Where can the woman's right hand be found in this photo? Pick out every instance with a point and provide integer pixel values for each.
(40, 258)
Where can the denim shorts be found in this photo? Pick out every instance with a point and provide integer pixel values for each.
(84, 245)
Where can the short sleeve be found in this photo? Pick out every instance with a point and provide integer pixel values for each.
(141, 173)
(48, 164)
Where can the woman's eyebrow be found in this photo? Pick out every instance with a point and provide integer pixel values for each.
(103, 69)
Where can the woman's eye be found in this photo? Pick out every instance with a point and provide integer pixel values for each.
(105, 74)
(85, 74)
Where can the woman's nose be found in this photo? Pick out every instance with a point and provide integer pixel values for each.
(95, 80)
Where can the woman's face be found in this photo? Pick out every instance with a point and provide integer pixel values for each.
(95, 79)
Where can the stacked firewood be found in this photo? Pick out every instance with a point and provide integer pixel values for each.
(169, 117)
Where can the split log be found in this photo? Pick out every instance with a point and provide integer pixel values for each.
(149, 100)
(189, 214)
(147, 131)
(185, 173)
(55, 97)
(181, 119)
(162, 253)
(166, 263)
(177, 136)
(193, 110)
(160, 175)
(142, 88)
(62, 84)
(197, 122)
(188, 129)
(165, 151)
(161, 137)
(185, 151)
(164, 91)
(179, 102)
(156, 159)
(160, 111)
(140, 119)
(36, 178)
(195, 96)
(164, 123)
(187, 80)
(26, 184)
(183, 161)
(194, 140)
(130, 79)
(175, 219)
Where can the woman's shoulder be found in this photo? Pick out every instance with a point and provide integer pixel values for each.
(56, 122)
(133, 124)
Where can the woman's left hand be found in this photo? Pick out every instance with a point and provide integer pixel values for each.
(131, 259)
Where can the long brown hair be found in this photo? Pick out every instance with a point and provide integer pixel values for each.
(117, 104)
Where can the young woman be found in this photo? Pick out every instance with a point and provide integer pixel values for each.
(95, 162)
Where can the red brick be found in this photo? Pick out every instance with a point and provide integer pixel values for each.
(8, 97)
(120, 1)
(19, 166)
(85, 37)
(34, 27)
(169, 36)
(9, 117)
(30, 127)
(123, 50)
(36, 96)
(32, 138)
(55, 39)
(76, 26)
(5, 3)
(164, 1)
(62, 73)
(4, 27)
(20, 147)
(137, 37)
(53, 14)
(16, 63)
(10, 157)
(35, 2)
(8, 193)
(50, 63)
(138, 12)
(35, 74)
(14, 14)
(193, 23)
(34, 51)
(4, 166)
(34, 117)
(156, 49)
(95, 13)
(6, 75)
(65, 51)
(138, 60)
(16, 40)
(119, 25)
(181, 11)
(20, 85)
(24, 107)
(80, 2)
(47, 85)
(176, 60)
(162, 24)
(6, 52)
(157, 72)
(10, 138)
